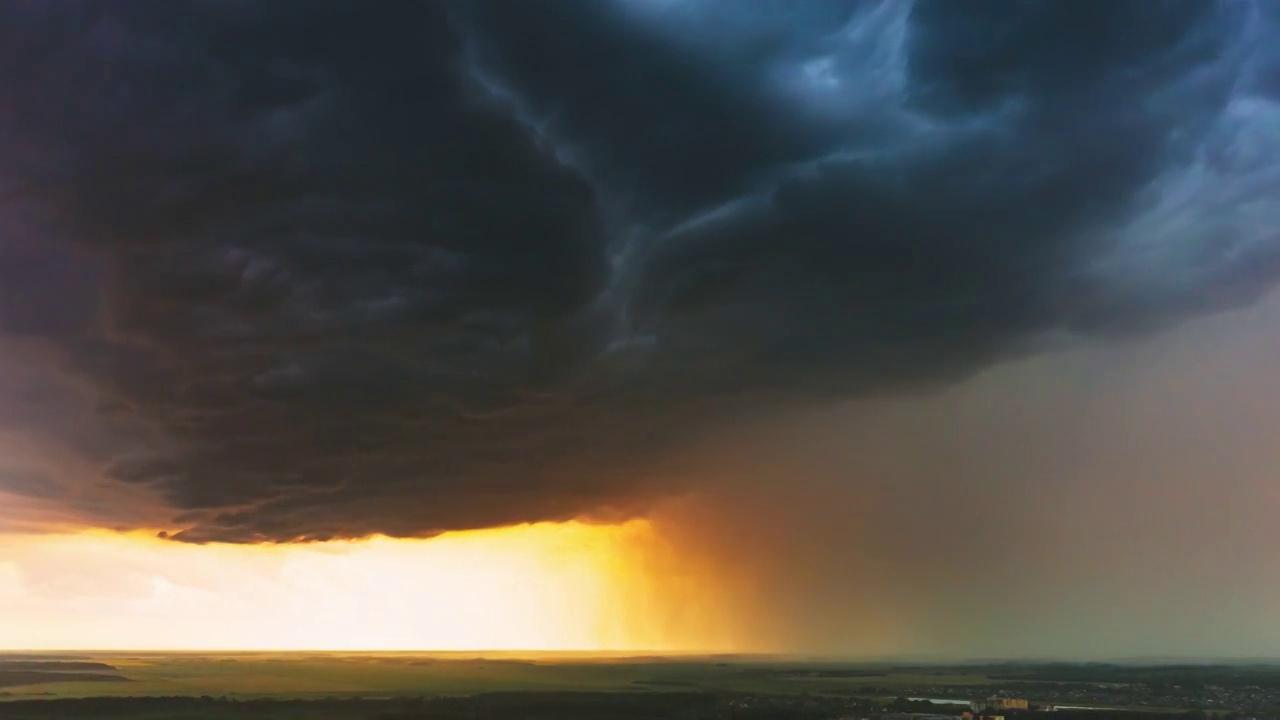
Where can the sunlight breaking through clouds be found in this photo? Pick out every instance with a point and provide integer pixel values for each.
(567, 586)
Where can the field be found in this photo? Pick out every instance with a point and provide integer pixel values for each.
(323, 684)
(308, 676)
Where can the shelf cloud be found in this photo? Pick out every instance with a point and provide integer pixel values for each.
(285, 272)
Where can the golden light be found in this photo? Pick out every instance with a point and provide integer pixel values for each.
(562, 586)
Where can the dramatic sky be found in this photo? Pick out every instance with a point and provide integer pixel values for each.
(932, 326)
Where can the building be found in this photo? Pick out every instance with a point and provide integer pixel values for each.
(1000, 703)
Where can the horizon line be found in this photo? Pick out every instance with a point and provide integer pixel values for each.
(648, 653)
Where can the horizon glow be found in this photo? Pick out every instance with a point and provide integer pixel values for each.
(541, 587)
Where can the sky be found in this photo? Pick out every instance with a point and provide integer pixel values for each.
(856, 328)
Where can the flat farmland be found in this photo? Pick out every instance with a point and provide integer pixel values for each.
(319, 675)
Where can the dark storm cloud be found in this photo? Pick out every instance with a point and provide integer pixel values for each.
(409, 266)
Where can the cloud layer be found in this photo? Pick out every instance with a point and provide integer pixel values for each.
(274, 273)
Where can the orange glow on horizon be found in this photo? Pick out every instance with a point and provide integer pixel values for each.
(541, 587)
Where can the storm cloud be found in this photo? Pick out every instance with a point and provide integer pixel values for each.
(285, 272)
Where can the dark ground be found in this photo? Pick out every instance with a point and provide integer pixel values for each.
(405, 686)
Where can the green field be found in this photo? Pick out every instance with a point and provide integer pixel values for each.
(329, 683)
(295, 675)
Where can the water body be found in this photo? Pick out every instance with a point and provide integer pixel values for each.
(953, 701)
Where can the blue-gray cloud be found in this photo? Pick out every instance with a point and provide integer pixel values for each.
(412, 266)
